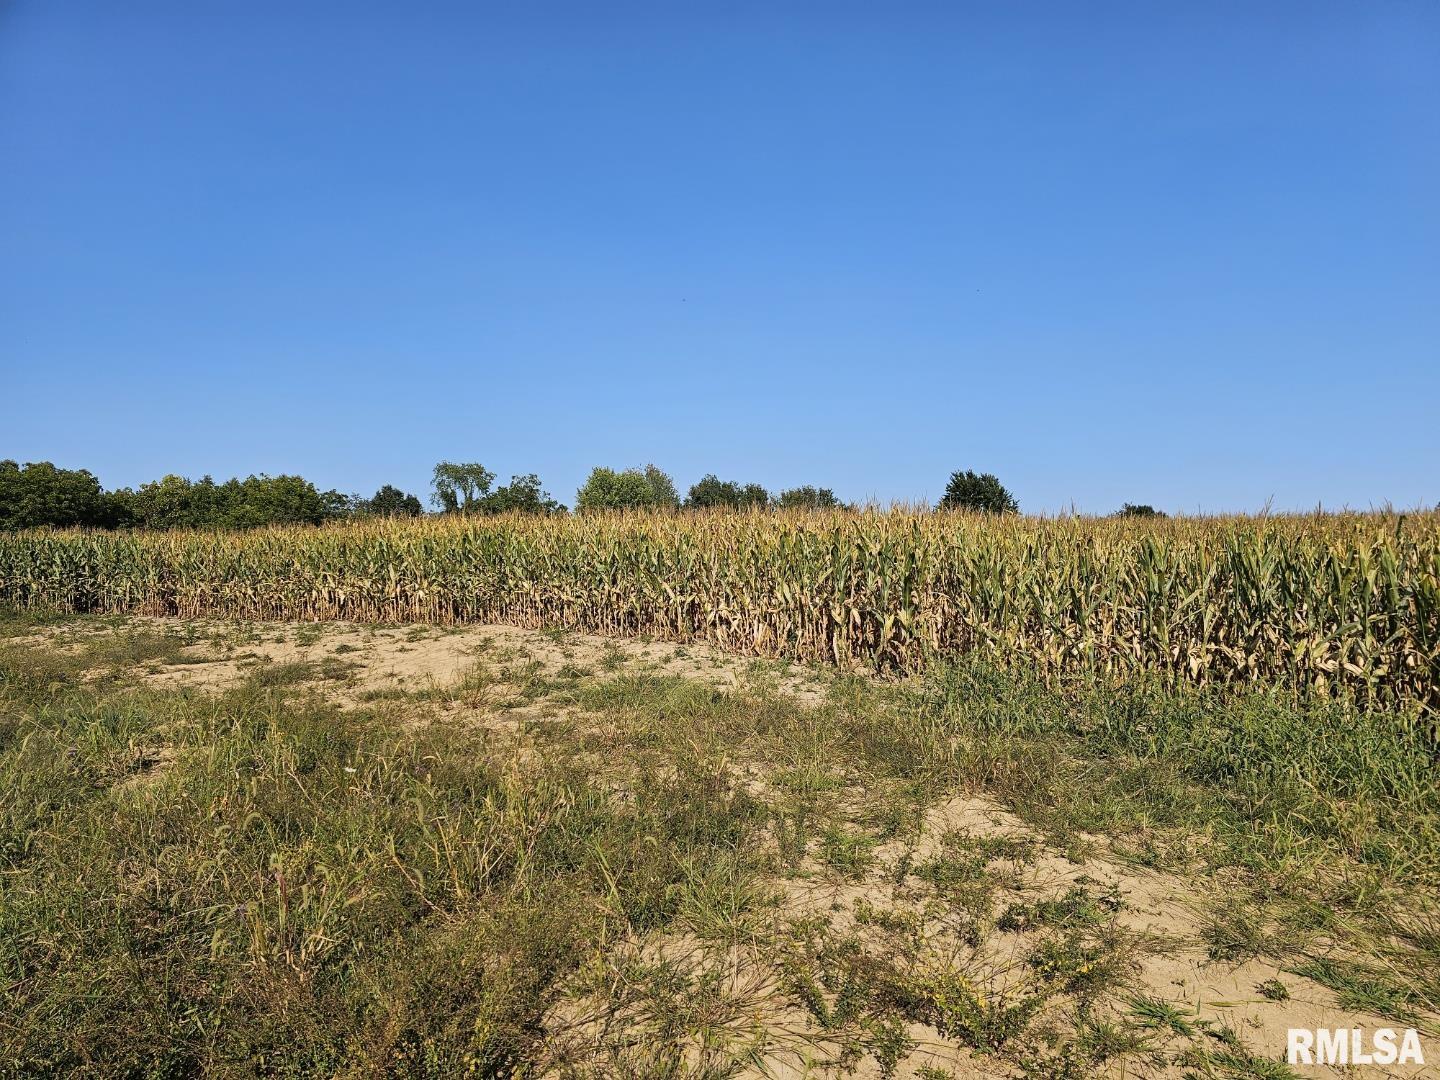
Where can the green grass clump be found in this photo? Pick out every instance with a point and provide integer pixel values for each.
(305, 890)
(1079, 907)
(1361, 986)
(1273, 990)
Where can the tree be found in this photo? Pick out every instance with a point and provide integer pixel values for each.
(175, 502)
(1140, 510)
(41, 494)
(171, 502)
(390, 501)
(968, 491)
(460, 487)
(662, 488)
(276, 500)
(633, 489)
(755, 496)
(522, 496)
(807, 498)
(711, 492)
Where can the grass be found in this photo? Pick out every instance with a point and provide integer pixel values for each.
(1078, 907)
(259, 880)
(295, 672)
(1161, 1015)
(1360, 986)
(304, 889)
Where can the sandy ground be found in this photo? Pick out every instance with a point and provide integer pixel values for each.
(790, 1046)
(360, 664)
(418, 657)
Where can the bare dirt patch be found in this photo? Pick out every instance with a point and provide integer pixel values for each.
(976, 892)
(370, 659)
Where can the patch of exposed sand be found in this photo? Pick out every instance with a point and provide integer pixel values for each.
(367, 659)
(1158, 910)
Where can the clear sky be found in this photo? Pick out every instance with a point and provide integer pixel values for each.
(1178, 253)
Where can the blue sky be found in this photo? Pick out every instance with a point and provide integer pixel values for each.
(1185, 254)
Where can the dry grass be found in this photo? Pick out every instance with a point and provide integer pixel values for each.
(565, 858)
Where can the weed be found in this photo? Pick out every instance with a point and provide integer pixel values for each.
(848, 851)
(1078, 907)
(1160, 1015)
(1273, 990)
(1358, 986)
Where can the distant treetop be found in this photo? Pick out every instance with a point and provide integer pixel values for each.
(459, 487)
(1140, 510)
(390, 501)
(176, 502)
(41, 494)
(522, 496)
(633, 489)
(714, 492)
(983, 492)
(465, 489)
(807, 498)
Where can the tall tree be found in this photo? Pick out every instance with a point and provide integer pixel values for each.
(807, 498)
(712, 491)
(460, 487)
(1140, 510)
(522, 495)
(176, 502)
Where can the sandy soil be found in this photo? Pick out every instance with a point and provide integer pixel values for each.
(417, 657)
(354, 664)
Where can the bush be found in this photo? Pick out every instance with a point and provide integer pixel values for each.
(712, 492)
(982, 492)
(633, 489)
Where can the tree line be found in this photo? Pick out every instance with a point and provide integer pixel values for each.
(41, 494)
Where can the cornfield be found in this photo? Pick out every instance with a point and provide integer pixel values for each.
(1329, 603)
